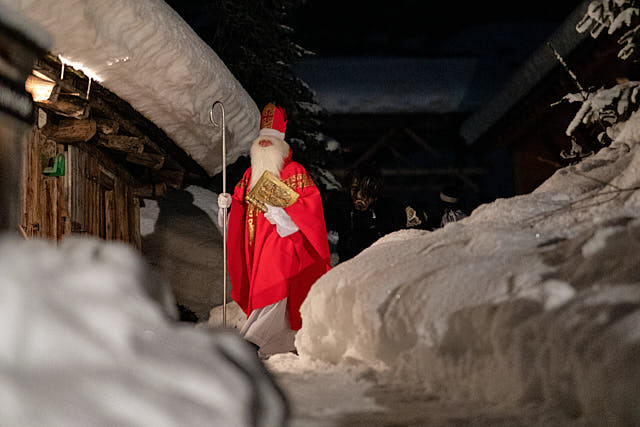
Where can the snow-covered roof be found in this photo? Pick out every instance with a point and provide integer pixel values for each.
(145, 53)
(16, 21)
(390, 84)
(564, 40)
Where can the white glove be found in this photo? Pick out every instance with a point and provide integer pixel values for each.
(281, 219)
(224, 203)
(224, 200)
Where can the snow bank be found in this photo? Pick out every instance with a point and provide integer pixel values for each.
(530, 300)
(144, 52)
(85, 342)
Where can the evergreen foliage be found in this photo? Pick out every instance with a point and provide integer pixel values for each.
(605, 109)
(254, 40)
(613, 15)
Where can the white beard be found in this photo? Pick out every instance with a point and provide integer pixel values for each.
(269, 158)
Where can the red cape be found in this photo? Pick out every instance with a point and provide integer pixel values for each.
(264, 267)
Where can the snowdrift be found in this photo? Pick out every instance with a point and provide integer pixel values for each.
(85, 341)
(531, 300)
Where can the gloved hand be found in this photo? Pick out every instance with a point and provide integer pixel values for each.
(224, 200)
(281, 219)
(224, 203)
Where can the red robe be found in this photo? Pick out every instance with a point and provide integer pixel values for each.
(264, 267)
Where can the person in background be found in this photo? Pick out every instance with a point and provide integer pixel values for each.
(275, 256)
(361, 214)
(450, 206)
(447, 209)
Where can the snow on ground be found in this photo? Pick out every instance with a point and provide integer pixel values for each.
(85, 341)
(145, 53)
(525, 313)
(529, 307)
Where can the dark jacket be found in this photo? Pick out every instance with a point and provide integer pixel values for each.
(357, 230)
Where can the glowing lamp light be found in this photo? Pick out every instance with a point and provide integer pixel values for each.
(79, 66)
(39, 86)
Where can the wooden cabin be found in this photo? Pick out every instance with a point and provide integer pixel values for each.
(91, 159)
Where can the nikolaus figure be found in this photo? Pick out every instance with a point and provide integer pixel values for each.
(275, 256)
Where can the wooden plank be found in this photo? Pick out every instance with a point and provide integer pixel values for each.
(68, 105)
(122, 213)
(48, 194)
(107, 126)
(375, 147)
(151, 191)
(33, 222)
(94, 197)
(77, 168)
(149, 160)
(135, 220)
(23, 187)
(123, 143)
(25, 183)
(70, 131)
(69, 166)
(173, 178)
(417, 139)
(109, 215)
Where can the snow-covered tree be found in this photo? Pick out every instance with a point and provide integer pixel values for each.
(613, 15)
(605, 109)
(254, 38)
(256, 41)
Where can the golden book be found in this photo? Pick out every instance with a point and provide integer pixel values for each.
(270, 190)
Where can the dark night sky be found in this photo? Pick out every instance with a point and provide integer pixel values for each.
(410, 27)
(394, 28)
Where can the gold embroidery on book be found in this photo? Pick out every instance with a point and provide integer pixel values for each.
(270, 190)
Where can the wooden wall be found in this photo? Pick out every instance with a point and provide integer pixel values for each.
(94, 197)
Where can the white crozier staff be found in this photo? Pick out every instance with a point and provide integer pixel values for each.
(223, 205)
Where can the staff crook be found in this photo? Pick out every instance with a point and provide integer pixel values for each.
(224, 221)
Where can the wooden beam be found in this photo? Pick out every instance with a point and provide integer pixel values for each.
(151, 191)
(68, 105)
(70, 131)
(149, 160)
(411, 134)
(107, 126)
(126, 144)
(399, 156)
(108, 105)
(374, 148)
(173, 178)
